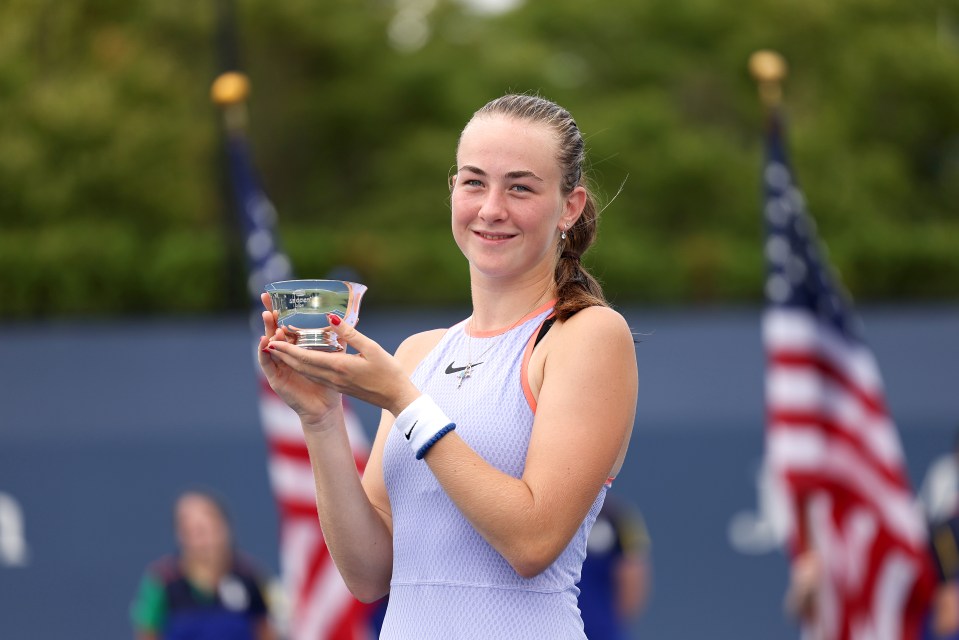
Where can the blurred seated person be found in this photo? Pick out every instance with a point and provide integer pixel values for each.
(939, 491)
(944, 612)
(615, 578)
(206, 590)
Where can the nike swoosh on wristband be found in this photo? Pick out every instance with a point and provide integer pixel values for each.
(410, 432)
(451, 369)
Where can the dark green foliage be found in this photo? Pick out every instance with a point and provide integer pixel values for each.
(111, 197)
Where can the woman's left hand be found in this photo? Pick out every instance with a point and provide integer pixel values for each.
(371, 374)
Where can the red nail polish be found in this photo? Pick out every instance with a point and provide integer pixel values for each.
(271, 347)
(334, 319)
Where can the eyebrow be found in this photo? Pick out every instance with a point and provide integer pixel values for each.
(510, 174)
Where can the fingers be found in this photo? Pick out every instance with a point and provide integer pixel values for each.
(269, 316)
(316, 366)
(347, 334)
(269, 323)
(330, 369)
(280, 357)
(264, 356)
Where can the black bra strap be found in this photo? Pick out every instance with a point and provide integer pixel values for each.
(543, 329)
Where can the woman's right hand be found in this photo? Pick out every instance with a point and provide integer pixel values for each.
(315, 403)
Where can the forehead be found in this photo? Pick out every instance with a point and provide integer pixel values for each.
(500, 140)
(193, 505)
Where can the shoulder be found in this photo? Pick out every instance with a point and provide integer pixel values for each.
(245, 566)
(599, 313)
(594, 343)
(165, 569)
(594, 322)
(412, 350)
(148, 610)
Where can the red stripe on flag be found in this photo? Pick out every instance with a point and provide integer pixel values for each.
(352, 624)
(289, 450)
(318, 562)
(856, 599)
(296, 509)
(780, 420)
(360, 463)
(786, 358)
(297, 452)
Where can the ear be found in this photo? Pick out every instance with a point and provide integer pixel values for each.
(452, 181)
(573, 207)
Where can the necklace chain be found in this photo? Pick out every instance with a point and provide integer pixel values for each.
(468, 369)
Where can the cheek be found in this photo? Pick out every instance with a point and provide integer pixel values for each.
(539, 220)
(459, 210)
(458, 222)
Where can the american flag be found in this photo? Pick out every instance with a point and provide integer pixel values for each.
(320, 607)
(830, 438)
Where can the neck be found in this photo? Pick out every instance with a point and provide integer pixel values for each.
(496, 306)
(205, 571)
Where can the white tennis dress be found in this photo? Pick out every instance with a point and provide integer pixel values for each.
(448, 582)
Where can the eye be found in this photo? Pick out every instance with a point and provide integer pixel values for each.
(522, 188)
(473, 183)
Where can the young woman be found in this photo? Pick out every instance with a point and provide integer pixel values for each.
(499, 435)
(208, 589)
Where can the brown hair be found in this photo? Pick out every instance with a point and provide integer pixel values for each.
(576, 288)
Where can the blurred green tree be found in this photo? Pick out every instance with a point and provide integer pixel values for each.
(111, 201)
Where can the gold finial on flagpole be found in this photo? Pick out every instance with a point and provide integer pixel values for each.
(229, 92)
(769, 69)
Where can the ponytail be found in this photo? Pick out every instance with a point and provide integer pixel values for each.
(576, 288)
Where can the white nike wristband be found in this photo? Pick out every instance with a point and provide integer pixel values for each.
(422, 423)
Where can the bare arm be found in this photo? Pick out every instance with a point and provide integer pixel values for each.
(264, 630)
(632, 585)
(354, 513)
(945, 609)
(584, 417)
(361, 538)
(357, 535)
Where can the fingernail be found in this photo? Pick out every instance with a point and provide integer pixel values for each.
(267, 350)
(334, 319)
(271, 347)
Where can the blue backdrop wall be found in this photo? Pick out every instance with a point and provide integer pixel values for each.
(104, 423)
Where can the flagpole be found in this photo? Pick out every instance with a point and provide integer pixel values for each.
(229, 91)
(769, 69)
(313, 604)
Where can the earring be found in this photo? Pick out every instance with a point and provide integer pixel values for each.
(562, 236)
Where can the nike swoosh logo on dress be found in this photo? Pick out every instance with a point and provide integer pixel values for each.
(451, 369)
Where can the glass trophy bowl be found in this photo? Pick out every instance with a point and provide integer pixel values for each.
(302, 307)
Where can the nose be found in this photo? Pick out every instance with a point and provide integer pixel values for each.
(494, 207)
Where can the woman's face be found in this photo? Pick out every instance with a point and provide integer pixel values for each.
(201, 530)
(508, 208)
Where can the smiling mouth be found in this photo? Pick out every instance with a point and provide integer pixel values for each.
(494, 236)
